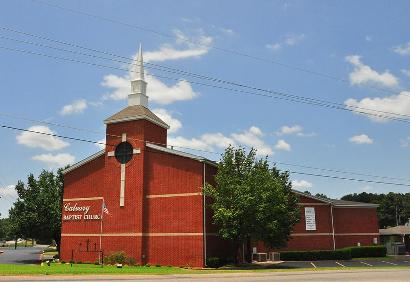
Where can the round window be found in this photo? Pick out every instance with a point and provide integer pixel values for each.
(123, 152)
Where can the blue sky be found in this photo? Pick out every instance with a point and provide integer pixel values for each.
(364, 46)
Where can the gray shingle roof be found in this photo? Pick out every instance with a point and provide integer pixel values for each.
(135, 113)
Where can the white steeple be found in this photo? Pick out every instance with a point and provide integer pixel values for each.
(138, 94)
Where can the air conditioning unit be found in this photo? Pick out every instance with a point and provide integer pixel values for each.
(260, 257)
(274, 256)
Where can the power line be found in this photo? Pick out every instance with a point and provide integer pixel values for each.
(190, 41)
(53, 135)
(95, 132)
(199, 150)
(294, 172)
(179, 71)
(342, 171)
(281, 95)
(349, 178)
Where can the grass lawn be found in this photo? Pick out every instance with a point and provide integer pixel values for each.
(57, 268)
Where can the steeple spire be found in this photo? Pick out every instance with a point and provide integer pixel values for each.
(138, 94)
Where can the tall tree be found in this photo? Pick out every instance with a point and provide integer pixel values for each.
(37, 212)
(252, 201)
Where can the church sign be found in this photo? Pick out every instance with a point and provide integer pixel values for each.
(76, 212)
(310, 218)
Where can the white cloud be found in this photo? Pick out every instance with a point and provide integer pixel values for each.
(274, 46)
(403, 49)
(207, 141)
(399, 104)
(166, 116)
(294, 39)
(288, 40)
(227, 31)
(194, 47)
(57, 160)
(36, 140)
(285, 130)
(293, 130)
(218, 140)
(252, 138)
(282, 145)
(185, 143)
(405, 72)
(363, 74)
(211, 141)
(157, 91)
(75, 107)
(160, 93)
(166, 53)
(368, 38)
(301, 184)
(361, 139)
(8, 191)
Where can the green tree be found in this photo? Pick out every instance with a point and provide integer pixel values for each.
(5, 229)
(252, 201)
(37, 212)
(321, 195)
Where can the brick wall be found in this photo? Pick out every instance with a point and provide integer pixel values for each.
(168, 230)
(173, 212)
(355, 225)
(351, 225)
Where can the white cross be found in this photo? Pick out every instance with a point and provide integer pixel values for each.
(122, 181)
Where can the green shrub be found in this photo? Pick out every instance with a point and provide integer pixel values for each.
(117, 257)
(368, 251)
(214, 262)
(131, 261)
(341, 254)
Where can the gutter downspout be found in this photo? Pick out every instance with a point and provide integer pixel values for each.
(204, 211)
(333, 227)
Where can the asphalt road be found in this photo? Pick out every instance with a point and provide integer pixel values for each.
(345, 263)
(335, 275)
(21, 255)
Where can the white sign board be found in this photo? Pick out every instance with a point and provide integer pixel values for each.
(310, 218)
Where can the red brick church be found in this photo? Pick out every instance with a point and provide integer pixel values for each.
(141, 197)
